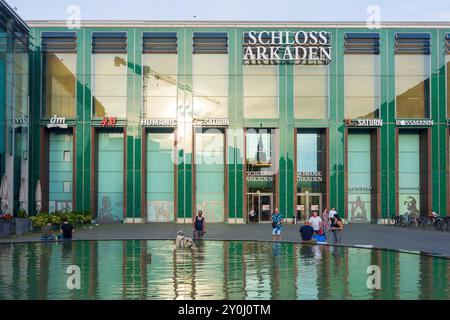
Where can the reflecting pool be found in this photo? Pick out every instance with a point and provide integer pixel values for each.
(152, 269)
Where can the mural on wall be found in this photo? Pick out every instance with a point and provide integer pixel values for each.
(359, 207)
(110, 210)
(409, 204)
(160, 211)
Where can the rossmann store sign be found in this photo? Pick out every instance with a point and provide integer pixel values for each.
(286, 47)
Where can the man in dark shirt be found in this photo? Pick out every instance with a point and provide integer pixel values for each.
(67, 230)
(307, 233)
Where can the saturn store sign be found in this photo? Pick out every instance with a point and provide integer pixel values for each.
(278, 47)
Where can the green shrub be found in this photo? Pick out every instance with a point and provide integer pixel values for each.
(40, 220)
(22, 214)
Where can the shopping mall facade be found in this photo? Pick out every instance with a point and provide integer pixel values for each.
(153, 121)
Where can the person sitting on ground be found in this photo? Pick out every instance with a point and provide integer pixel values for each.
(306, 233)
(66, 230)
(47, 233)
(316, 222)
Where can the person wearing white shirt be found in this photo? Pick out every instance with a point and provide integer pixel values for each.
(316, 222)
(332, 213)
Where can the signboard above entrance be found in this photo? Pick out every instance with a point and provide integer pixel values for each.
(287, 47)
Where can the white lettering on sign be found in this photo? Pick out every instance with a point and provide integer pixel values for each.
(57, 122)
(159, 122)
(363, 123)
(414, 122)
(266, 176)
(211, 122)
(277, 47)
(309, 176)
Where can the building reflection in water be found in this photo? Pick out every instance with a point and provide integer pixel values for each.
(141, 269)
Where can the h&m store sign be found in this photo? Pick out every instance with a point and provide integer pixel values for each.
(277, 47)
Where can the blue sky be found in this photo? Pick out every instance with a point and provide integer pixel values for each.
(286, 10)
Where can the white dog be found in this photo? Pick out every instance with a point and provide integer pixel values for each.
(184, 242)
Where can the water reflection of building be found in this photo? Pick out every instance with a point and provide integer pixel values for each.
(220, 270)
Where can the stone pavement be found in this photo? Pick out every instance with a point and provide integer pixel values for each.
(378, 236)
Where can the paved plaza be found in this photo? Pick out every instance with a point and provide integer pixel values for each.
(378, 236)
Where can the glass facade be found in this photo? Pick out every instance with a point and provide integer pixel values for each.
(260, 91)
(109, 94)
(210, 174)
(160, 175)
(447, 62)
(14, 111)
(59, 84)
(359, 183)
(362, 86)
(311, 90)
(412, 85)
(160, 86)
(210, 79)
(60, 171)
(110, 157)
(282, 127)
(409, 187)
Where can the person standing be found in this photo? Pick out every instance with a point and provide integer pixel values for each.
(316, 222)
(332, 213)
(337, 228)
(199, 225)
(277, 221)
(326, 222)
(66, 230)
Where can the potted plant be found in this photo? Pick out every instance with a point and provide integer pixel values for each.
(22, 222)
(5, 225)
(39, 221)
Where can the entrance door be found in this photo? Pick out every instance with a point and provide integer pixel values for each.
(306, 204)
(259, 207)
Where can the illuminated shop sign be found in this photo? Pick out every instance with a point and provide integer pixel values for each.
(412, 123)
(266, 176)
(363, 123)
(159, 122)
(278, 47)
(211, 123)
(108, 122)
(57, 122)
(309, 176)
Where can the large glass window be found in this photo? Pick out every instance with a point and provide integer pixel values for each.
(409, 173)
(110, 84)
(362, 86)
(210, 79)
(310, 161)
(110, 176)
(160, 85)
(160, 175)
(260, 91)
(412, 85)
(209, 173)
(60, 171)
(311, 87)
(59, 84)
(359, 177)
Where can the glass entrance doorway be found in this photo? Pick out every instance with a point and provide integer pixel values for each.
(306, 204)
(259, 207)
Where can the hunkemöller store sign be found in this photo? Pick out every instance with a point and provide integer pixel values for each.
(277, 47)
